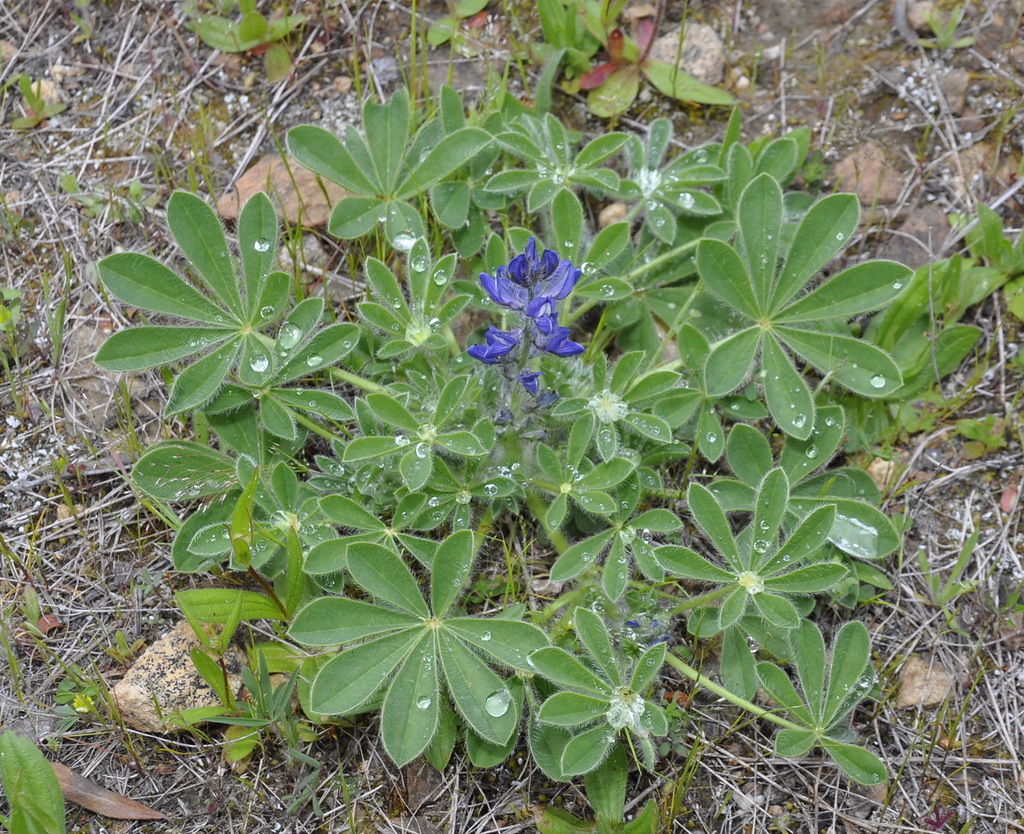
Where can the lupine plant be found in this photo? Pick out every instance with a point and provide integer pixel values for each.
(369, 465)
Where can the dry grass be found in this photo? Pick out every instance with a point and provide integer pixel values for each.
(149, 104)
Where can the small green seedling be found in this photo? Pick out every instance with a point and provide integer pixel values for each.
(37, 109)
(452, 28)
(945, 32)
(253, 32)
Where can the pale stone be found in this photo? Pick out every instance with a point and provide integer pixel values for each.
(164, 681)
(296, 191)
(702, 54)
(866, 173)
(923, 683)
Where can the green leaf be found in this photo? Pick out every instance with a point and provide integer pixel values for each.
(847, 683)
(322, 153)
(606, 786)
(382, 573)
(770, 505)
(329, 621)
(586, 751)
(805, 541)
(415, 466)
(218, 605)
(177, 469)
(392, 412)
(409, 717)
(509, 642)
(258, 247)
(482, 698)
(564, 669)
(450, 153)
(647, 667)
(788, 398)
(650, 425)
(759, 215)
(726, 276)
(812, 579)
(198, 232)
(615, 95)
(33, 793)
(450, 202)
(452, 564)
(354, 217)
(348, 513)
(778, 611)
(682, 561)
(860, 366)
(730, 360)
(711, 518)
(673, 82)
(823, 233)
(349, 679)
(198, 383)
(737, 663)
(366, 448)
(859, 764)
(570, 709)
(609, 243)
(144, 347)
(580, 556)
(596, 640)
(780, 689)
(143, 282)
(859, 289)
(794, 743)
(748, 454)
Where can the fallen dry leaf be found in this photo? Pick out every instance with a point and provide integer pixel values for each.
(89, 795)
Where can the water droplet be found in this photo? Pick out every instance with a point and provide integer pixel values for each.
(607, 290)
(463, 497)
(266, 312)
(262, 245)
(490, 490)
(440, 278)
(424, 703)
(259, 363)
(761, 546)
(402, 440)
(840, 236)
(646, 536)
(497, 703)
(404, 242)
(686, 200)
(314, 360)
(897, 285)
(486, 636)
(878, 381)
(799, 421)
(812, 452)
(434, 501)
(420, 263)
(711, 437)
(289, 336)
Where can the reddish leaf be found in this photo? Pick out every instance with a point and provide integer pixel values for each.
(616, 45)
(47, 623)
(477, 21)
(644, 33)
(1008, 498)
(597, 76)
(89, 795)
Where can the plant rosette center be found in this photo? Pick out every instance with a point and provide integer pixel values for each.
(751, 581)
(626, 710)
(608, 407)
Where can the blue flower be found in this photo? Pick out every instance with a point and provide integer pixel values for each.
(499, 344)
(531, 282)
(529, 381)
(553, 338)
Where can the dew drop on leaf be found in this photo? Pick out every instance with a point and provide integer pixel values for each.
(878, 381)
(259, 363)
(424, 703)
(261, 245)
(313, 360)
(497, 703)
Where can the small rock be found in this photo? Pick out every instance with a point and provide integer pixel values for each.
(8, 51)
(866, 173)
(296, 191)
(612, 213)
(923, 684)
(702, 54)
(883, 473)
(918, 238)
(165, 674)
(954, 87)
(918, 15)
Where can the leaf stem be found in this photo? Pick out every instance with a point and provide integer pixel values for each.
(684, 668)
(357, 381)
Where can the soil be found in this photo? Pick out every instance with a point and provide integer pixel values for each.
(922, 133)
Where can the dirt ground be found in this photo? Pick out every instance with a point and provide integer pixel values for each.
(149, 108)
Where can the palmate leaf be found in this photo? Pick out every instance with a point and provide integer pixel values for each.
(409, 717)
(147, 347)
(197, 384)
(144, 282)
(199, 234)
(759, 215)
